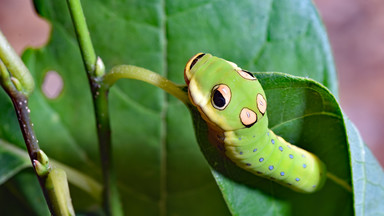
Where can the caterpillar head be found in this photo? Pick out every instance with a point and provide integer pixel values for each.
(225, 95)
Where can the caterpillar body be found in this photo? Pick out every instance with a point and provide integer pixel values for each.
(233, 104)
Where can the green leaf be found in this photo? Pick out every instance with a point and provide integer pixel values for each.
(156, 155)
(306, 114)
(368, 176)
(29, 196)
(11, 162)
(23, 187)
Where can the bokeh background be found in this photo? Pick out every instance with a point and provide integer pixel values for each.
(356, 32)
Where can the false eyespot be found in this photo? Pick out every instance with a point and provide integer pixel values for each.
(248, 117)
(261, 103)
(253, 146)
(221, 96)
(246, 74)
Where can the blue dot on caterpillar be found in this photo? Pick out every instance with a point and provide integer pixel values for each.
(233, 104)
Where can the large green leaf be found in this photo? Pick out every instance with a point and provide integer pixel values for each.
(307, 115)
(156, 155)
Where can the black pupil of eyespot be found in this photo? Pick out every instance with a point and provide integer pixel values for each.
(195, 60)
(250, 74)
(218, 99)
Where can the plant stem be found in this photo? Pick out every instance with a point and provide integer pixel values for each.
(95, 70)
(18, 83)
(138, 73)
(22, 111)
(11, 67)
(15, 65)
(20, 104)
(110, 193)
(83, 37)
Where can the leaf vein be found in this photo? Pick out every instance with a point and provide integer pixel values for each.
(332, 115)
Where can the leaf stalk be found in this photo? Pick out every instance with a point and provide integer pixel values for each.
(138, 73)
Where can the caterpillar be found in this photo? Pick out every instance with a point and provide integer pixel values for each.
(233, 104)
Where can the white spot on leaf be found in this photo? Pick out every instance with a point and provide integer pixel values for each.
(52, 85)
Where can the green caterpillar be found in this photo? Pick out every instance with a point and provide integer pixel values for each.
(233, 104)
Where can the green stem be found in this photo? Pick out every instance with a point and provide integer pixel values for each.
(138, 73)
(57, 186)
(339, 181)
(110, 193)
(80, 180)
(15, 66)
(83, 37)
(95, 70)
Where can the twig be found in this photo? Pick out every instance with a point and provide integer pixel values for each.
(17, 81)
(95, 71)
